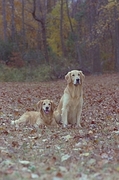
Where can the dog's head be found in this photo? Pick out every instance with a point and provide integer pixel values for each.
(47, 106)
(76, 77)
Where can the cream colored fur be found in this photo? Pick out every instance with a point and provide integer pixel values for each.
(70, 105)
(44, 115)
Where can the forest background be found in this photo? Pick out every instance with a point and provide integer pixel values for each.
(43, 39)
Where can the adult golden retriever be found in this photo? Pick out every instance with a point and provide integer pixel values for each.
(44, 116)
(70, 105)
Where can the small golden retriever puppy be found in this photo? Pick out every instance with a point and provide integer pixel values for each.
(70, 105)
(44, 116)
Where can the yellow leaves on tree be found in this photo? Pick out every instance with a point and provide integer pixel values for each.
(53, 19)
(111, 4)
(31, 26)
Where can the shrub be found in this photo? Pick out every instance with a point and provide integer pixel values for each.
(6, 49)
(9, 74)
(25, 74)
(33, 57)
(61, 66)
(30, 73)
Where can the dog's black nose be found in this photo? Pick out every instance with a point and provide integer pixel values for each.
(77, 80)
(47, 108)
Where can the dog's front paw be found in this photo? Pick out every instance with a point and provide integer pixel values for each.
(12, 122)
(15, 125)
(64, 126)
(78, 126)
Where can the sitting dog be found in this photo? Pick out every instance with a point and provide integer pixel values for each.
(44, 116)
(70, 105)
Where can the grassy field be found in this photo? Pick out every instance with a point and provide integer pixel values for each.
(88, 153)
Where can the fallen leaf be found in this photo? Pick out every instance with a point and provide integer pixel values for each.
(85, 154)
(65, 157)
(25, 163)
(34, 176)
(67, 137)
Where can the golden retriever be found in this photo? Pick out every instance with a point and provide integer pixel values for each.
(44, 116)
(70, 105)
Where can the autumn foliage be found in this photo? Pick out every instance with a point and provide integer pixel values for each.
(81, 32)
(90, 152)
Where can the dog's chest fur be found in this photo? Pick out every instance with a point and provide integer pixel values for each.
(74, 91)
(47, 118)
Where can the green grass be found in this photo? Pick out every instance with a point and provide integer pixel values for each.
(26, 74)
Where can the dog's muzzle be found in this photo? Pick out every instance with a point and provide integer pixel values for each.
(77, 81)
(46, 110)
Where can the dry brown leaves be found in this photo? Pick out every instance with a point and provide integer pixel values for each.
(58, 154)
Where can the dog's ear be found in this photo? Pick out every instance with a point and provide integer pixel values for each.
(82, 76)
(53, 105)
(68, 77)
(39, 105)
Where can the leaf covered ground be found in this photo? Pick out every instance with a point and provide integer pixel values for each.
(88, 153)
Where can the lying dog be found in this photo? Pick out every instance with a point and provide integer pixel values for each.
(70, 105)
(44, 116)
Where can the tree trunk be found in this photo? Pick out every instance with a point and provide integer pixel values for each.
(116, 41)
(43, 26)
(94, 49)
(4, 19)
(76, 40)
(39, 37)
(61, 28)
(96, 60)
(23, 24)
(13, 29)
(42, 21)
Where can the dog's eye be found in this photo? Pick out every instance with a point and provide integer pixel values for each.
(73, 74)
(49, 104)
(43, 103)
(78, 74)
